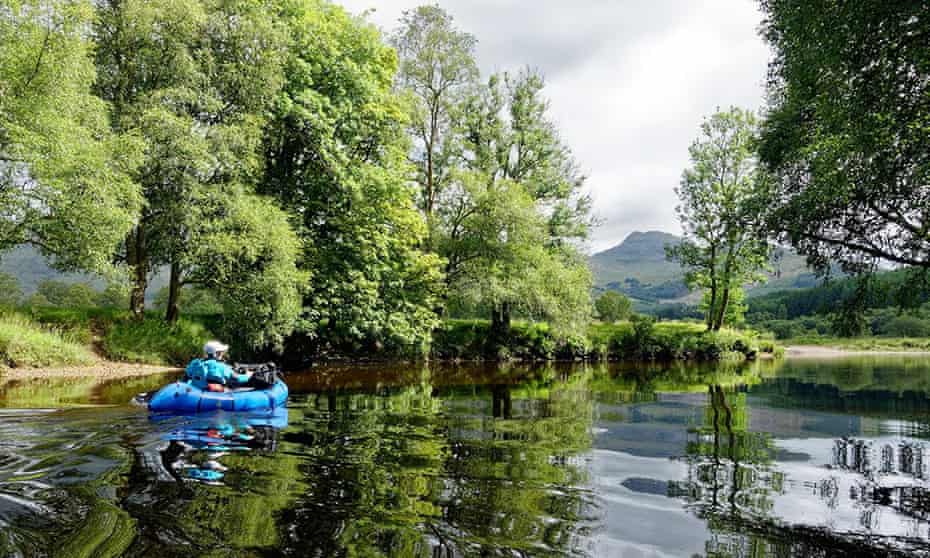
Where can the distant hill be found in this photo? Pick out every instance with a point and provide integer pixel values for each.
(637, 267)
(30, 268)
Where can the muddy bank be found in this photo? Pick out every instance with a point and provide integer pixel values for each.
(104, 370)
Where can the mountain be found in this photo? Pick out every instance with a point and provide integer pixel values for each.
(30, 268)
(637, 267)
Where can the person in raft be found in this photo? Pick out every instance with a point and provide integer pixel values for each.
(211, 373)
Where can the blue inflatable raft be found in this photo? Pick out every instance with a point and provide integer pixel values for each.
(182, 397)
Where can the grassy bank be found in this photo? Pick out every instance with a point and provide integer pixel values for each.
(113, 335)
(868, 343)
(27, 343)
(637, 340)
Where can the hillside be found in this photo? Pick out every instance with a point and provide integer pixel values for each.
(637, 267)
(30, 268)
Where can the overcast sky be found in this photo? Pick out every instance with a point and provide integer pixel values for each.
(629, 82)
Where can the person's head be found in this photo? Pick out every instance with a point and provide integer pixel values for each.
(215, 350)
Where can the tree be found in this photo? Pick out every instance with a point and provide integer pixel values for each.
(193, 300)
(11, 294)
(509, 222)
(252, 269)
(336, 160)
(115, 295)
(437, 67)
(722, 248)
(202, 124)
(613, 306)
(845, 135)
(63, 175)
(67, 295)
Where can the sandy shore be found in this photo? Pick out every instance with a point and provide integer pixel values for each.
(105, 370)
(818, 351)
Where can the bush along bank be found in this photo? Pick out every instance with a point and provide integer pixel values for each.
(642, 339)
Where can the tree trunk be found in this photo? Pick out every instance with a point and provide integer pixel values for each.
(138, 271)
(721, 314)
(727, 281)
(500, 322)
(173, 312)
(713, 288)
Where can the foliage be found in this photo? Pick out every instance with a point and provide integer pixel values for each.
(437, 66)
(10, 292)
(906, 326)
(67, 295)
(63, 175)
(153, 341)
(193, 300)
(641, 339)
(613, 306)
(336, 159)
(252, 254)
(514, 210)
(115, 295)
(24, 343)
(200, 123)
(722, 249)
(846, 135)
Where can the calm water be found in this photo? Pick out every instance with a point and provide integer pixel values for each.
(788, 459)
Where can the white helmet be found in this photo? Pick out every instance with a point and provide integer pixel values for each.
(210, 348)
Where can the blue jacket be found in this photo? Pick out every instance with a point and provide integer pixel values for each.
(201, 372)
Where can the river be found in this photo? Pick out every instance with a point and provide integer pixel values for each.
(793, 458)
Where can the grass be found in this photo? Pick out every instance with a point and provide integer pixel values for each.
(79, 332)
(25, 343)
(152, 341)
(866, 343)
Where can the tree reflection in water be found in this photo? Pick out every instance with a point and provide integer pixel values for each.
(421, 471)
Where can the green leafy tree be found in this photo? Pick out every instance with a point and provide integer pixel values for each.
(54, 291)
(193, 300)
(613, 306)
(846, 135)
(722, 247)
(63, 174)
(509, 222)
(193, 80)
(336, 157)
(11, 294)
(67, 295)
(252, 269)
(437, 67)
(115, 295)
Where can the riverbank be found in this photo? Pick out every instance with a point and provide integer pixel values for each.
(67, 340)
(103, 370)
(825, 346)
(822, 351)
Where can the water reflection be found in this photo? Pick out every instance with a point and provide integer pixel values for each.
(189, 448)
(794, 459)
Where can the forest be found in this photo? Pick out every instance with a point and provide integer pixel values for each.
(308, 183)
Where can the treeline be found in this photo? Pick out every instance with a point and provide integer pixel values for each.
(890, 303)
(329, 187)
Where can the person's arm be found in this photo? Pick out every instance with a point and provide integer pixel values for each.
(231, 374)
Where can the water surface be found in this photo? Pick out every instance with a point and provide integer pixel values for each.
(801, 458)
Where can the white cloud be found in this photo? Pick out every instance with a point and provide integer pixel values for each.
(629, 82)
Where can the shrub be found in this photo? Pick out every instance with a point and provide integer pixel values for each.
(154, 341)
(906, 326)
